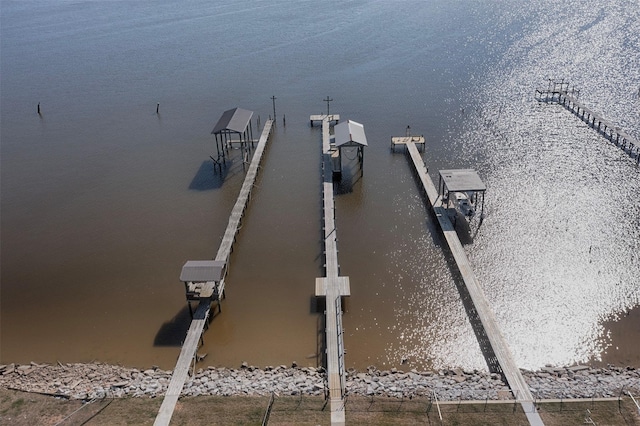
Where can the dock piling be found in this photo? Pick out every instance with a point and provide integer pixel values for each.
(273, 99)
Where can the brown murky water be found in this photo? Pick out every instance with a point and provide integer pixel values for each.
(103, 200)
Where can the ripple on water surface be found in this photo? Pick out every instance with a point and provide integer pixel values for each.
(558, 253)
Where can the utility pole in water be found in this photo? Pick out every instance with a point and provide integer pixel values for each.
(327, 101)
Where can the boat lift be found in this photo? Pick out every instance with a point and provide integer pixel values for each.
(462, 183)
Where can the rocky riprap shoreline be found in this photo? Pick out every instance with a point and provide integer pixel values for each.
(96, 380)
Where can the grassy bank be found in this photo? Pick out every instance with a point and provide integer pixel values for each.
(20, 408)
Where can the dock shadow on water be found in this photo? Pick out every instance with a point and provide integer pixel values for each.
(209, 176)
(474, 319)
(466, 230)
(173, 332)
(348, 179)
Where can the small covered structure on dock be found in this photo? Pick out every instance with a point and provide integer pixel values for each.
(348, 134)
(459, 184)
(201, 279)
(233, 127)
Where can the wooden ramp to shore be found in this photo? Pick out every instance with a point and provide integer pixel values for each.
(499, 345)
(201, 315)
(558, 92)
(332, 286)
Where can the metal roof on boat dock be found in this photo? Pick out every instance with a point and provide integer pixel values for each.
(233, 120)
(202, 271)
(350, 133)
(462, 180)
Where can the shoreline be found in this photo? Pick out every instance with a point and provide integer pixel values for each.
(96, 380)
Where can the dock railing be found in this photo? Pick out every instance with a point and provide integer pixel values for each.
(560, 93)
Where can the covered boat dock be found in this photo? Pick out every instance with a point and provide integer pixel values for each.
(233, 127)
(465, 181)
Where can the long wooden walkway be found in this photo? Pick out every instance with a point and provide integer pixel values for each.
(226, 246)
(558, 92)
(502, 352)
(201, 315)
(332, 286)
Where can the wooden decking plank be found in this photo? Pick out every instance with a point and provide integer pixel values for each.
(403, 140)
(322, 117)
(342, 284)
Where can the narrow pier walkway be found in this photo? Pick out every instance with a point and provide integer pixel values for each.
(201, 315)
(561, 94)
(332, 286)
(226, 246)
(503, 354)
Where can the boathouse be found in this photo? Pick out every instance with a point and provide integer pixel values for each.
(348, 134)
(464, 181)
(201, 279)
(233, 127)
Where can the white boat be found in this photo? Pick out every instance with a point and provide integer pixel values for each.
(462, 202)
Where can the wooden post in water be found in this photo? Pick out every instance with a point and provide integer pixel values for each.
(273, 99)
(39, 108)
(158, 108)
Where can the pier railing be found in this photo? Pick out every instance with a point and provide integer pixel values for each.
(560, 93)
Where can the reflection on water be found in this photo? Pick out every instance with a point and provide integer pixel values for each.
(103, 200)
(563, 213)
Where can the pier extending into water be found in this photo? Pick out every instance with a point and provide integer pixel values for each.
(499, 346)
(332, 286)
(211, 290)
(559, 92)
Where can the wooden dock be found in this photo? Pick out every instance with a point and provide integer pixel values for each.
(332, 286)
(404, 140)
(321, 117)
(559, 92)
(499, 345)
(201, 315)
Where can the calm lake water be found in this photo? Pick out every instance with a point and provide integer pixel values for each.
(103, 200)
